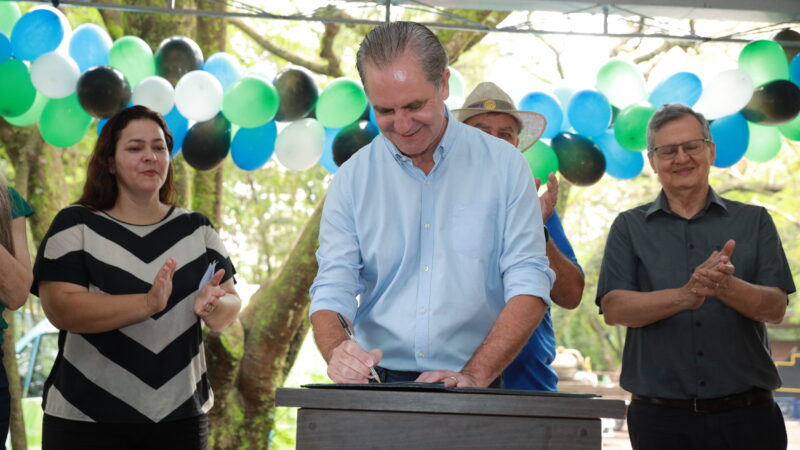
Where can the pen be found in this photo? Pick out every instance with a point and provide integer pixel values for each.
(353, 338)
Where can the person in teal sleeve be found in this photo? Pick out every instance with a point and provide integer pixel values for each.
(15, 275)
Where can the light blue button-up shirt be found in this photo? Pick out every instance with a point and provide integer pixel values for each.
(423, 264)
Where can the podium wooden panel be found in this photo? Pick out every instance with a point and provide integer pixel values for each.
(355, 418)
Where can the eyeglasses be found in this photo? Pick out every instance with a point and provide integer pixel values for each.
(691, 148)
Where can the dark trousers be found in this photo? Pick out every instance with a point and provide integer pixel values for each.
(392, 376)
(184, 434)
(656, 427)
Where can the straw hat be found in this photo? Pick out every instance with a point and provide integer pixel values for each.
(488, 97)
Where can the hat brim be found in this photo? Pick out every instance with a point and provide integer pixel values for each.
(531, 124)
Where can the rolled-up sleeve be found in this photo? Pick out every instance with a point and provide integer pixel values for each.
(338, 280)
(523, 261)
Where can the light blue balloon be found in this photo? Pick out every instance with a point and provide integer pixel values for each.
(5, 48)
(36, 33)
(89, 46)
(731, 135)
(179, 126)
(794, 69)
(589, 112)
(620, 163)
(252, 147)
(546, 105)
(564, 95)
(326, 160)
(683, 87)
(224, 67)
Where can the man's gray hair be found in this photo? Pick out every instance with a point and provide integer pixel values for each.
(389, 41)
(671, 112)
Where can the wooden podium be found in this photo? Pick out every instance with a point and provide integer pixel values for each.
(351, 418)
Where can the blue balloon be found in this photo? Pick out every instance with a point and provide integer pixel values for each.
(794, 69)
(683, 87)
(179, 126)
(620, 163)
(326, 160)
(731, 134)
(589, 112)
(224, 67)
(372, 119)
(36, 33)
(252, 147)
(5, 48)
(89, 46)
(546, 105)
(100, 124)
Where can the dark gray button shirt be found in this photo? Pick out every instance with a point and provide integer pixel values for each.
(712, 351)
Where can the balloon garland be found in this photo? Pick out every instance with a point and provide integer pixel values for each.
(61, 78)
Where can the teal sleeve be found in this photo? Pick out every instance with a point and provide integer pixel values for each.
(19, 207)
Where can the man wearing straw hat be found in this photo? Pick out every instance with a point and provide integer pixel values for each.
(490, 109)
(431, 240)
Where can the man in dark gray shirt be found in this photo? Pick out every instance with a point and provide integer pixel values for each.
(694, 277)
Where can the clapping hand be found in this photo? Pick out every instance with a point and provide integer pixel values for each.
(206, 300)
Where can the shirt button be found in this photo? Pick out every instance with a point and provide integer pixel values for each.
(426, 268)
(427, 225)
(699, 324)
(702, 383)
(691, 245)
(421, 355)
(699, 353)
(422, 310)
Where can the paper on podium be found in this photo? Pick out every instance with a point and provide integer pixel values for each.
(439, 387)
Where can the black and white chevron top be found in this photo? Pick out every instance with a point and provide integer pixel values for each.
(152, 371)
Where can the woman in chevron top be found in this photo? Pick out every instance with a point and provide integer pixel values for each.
(15, 275)
(128, 278)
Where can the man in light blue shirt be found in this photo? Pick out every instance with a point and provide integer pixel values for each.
(431, 239)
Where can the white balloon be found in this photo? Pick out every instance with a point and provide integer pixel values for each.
(299, 145)
(63, 47)
(454, 102)
(198, 95)
(155, 93)
(55, 75)
(726, 94)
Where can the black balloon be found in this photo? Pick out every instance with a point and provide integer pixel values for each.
(773, 103)
(177, 56)
(350, 139)
(579, 159)
(207, 143)
(788, 35)
(298, 93)
(102, 91)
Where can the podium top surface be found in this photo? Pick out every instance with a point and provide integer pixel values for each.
(453, 402)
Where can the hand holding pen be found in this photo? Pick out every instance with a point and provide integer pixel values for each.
(353, 338)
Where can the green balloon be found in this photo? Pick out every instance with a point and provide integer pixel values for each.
(621, 83)
(9, 14)
(791, 129)
(341, 103)
(456, 83)
(16, 89)
(764, 143)
(764, 61)
(134, 58)
(542, 160)
(250, 102)
(32, 115)
(64, 122)
(630, 126)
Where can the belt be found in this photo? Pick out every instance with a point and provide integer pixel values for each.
(740, 400)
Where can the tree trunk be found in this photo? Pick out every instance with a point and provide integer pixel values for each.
(273, 323)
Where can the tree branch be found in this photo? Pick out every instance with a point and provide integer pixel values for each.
(330, 69)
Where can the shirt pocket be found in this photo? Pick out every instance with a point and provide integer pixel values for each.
(472, 228)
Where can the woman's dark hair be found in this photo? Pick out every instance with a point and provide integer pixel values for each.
(100, 189)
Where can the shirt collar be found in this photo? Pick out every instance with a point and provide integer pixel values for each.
(661, 203)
